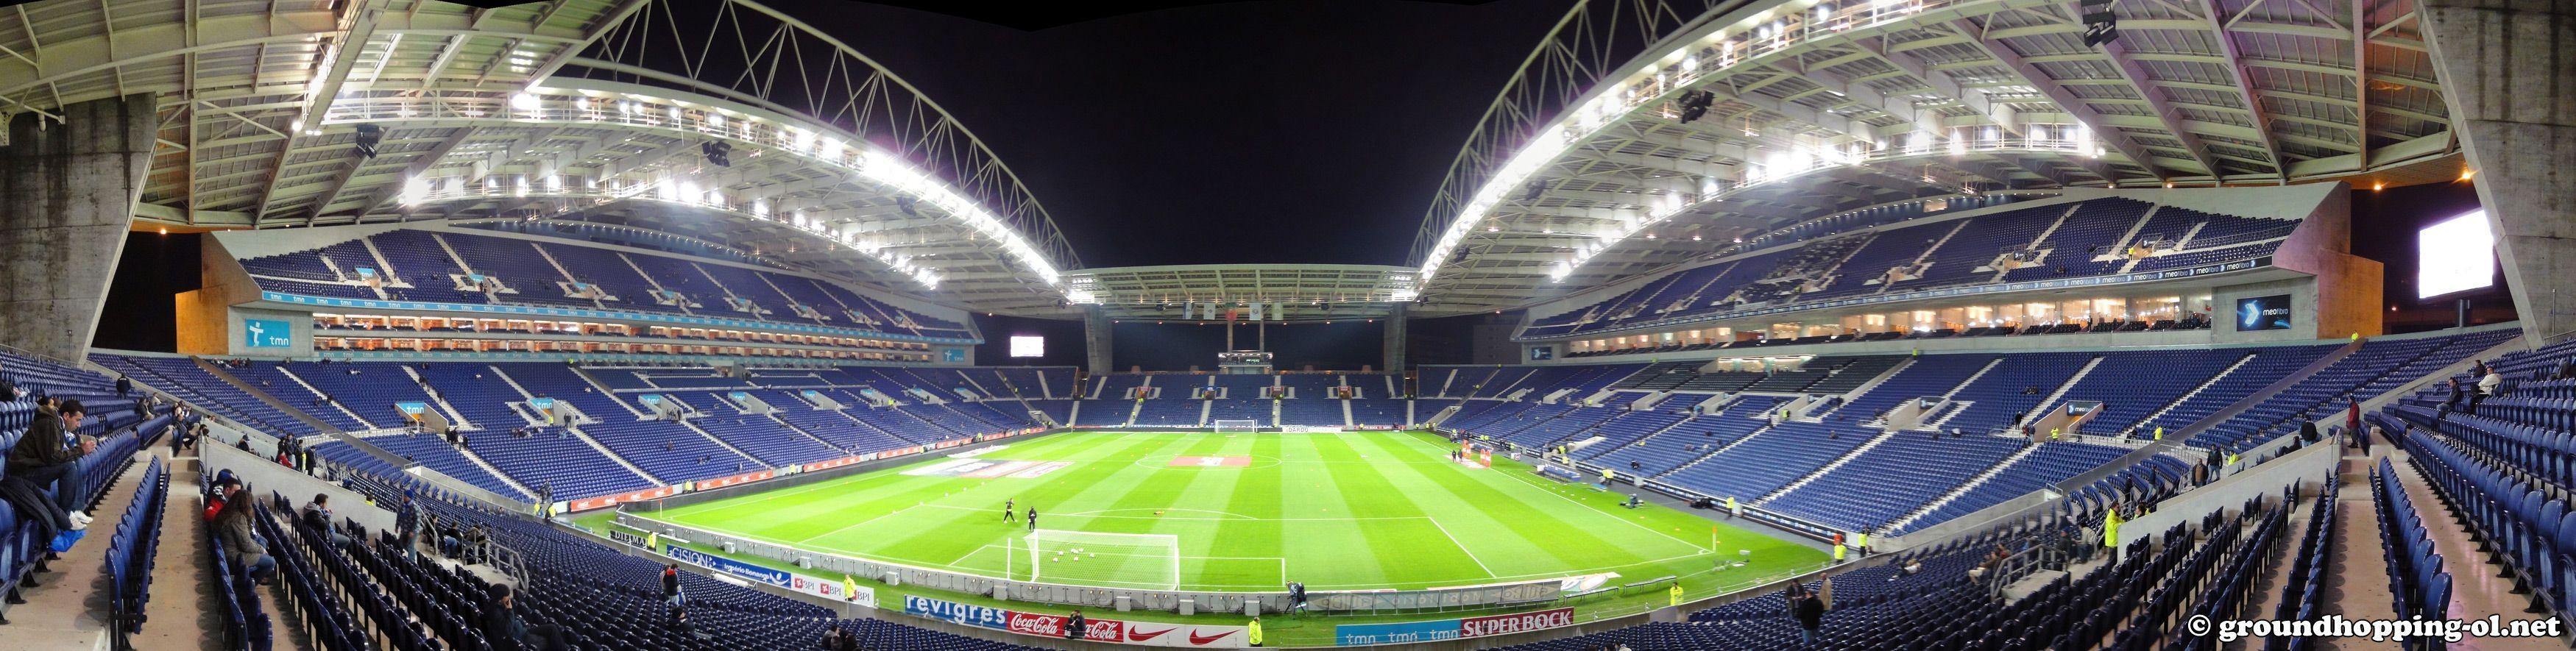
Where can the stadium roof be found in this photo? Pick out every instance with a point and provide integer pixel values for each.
(1584, 172)
(594, 110)
(1309, 292)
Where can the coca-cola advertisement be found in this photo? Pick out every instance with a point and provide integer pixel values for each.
(1099, 630)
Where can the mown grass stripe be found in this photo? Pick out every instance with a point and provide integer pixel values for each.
(1511, 537)
(1322, 553)
(1348, 511)
(1427, 554)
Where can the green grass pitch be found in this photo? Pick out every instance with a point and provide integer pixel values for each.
(1336, 511)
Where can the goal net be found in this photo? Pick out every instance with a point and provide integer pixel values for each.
(1122, 560)
(1244, 425)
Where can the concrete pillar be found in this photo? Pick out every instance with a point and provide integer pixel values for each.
(2508, 72)
(67, 196)
(1095, 337)
(1394, 339)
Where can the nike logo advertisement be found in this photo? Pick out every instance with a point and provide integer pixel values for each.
(1197, 639)
(1134, 635)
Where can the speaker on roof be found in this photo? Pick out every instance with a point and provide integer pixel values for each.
(2100, 25)
(1695, 104)
(369, 136)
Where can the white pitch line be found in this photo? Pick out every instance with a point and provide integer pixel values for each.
(861, 523)
(1236, 518)
(1587, 507)
(1471, 555)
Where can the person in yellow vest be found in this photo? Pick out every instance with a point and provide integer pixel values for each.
(2160, 432)
(1676, 592)
(2055, 433)
(1838, 552)
(1252, 631)
(1860, 541)
(2111, 528)
(1732, 511)
(2231, 459)
(849, 588)
(1606, 476)
(653, 541)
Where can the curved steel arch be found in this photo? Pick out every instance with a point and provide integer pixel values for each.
(244, 86)
(768, 43)
(2218, 93)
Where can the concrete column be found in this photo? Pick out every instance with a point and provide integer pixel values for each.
(2508, 72)
(1394, 339)
(1095, 338)
(67, 196)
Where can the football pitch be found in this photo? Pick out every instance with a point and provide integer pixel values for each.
(1242, 512)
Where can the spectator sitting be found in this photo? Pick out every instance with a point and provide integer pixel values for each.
(450, 540)
(49, 453)
(232, 526)
(500, 622)
(317, 514)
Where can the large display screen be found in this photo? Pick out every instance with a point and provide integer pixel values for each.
(266, 333)
(2263, 313)
(1023, 346)
(2456, 255)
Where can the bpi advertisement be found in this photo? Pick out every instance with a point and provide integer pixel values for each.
(1451, 629)
(835, 590)
(1095, 630)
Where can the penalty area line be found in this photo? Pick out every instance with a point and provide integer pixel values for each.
(1462, 547)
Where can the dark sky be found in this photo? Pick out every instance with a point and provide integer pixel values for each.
(1284, 131)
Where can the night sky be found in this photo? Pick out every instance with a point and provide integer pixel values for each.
(1250, 132)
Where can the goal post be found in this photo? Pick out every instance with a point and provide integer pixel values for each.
(1237, 425)
(1126, 560)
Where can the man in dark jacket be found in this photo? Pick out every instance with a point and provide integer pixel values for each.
(317, 514)
(503, 626)
(1074, 626)
(407, 527)
(47, 454)
(1811, 617)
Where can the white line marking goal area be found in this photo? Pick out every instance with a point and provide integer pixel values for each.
(1148, 561)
